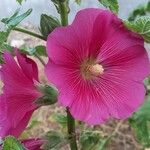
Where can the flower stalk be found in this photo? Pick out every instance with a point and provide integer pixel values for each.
(63, 10)
(71, 131)
(29, 33)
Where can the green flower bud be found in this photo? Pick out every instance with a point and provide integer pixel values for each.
(49, 95)
(48, 24)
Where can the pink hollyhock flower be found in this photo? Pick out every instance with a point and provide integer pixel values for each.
(33, 144)
(19, 94)
(98, 66)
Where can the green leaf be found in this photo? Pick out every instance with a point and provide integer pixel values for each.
(15, 19)
(89, 140)
(111, 4)
(142, 26)
(61, 119)
(54, 138)
(48, 24)
(140, 123)
(148, 7)
(41, 50)
(78, 2)
(141, 10)
(11, 143)
(49, 96)
(3, 45)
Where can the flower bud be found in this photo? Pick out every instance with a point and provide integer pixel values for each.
(48, 24)
(49, 95)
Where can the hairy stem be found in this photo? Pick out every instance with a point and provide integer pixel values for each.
(71, 131)
(29, 33)
(63, 13)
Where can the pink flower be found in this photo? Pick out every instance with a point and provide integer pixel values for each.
(19, 94)
(98, 66)
(33, 144)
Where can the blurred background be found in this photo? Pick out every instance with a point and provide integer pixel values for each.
(7, 8)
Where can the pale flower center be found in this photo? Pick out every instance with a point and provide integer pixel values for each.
(90, 69)
(96, 69)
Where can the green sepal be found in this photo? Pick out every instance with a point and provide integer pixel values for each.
(48, 24)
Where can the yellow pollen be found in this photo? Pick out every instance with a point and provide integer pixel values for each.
(96, 69)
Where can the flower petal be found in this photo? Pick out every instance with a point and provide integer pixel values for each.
(28, 66)
(18, 95)
(122, 96)
(72, 49)
(33, 144)
(104, 22)
(130, 62)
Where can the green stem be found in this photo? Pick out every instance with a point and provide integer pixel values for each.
(63, 10)
(40, 59)
(63, 13)
(71, 131)
(29, 33)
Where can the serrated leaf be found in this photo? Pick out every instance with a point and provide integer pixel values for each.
(140, 121)
(61, 119)
(141, 10)
(89, 140)
(15, 19)
(54, 139)
(111, 4)
(11, 143)
(142, 26)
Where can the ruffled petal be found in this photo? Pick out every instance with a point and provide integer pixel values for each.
(104, 28)
(28, 66)
(18, 95)
(122, 96)
(63, 78)
(88, 105)
(125, 57)
(68, 46)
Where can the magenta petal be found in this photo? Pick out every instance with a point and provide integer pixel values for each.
(33, 144)
(122, 96)
(29, 67)
(104, 22)
(88, 105)
(66, 49)
(126, 58)
(19, 93)
(55, 74)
